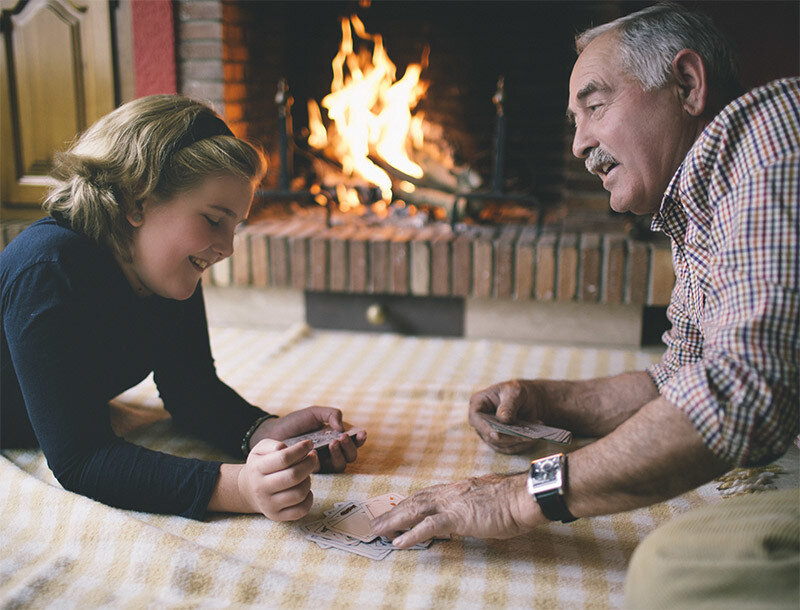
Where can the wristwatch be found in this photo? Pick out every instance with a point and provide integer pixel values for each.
(547, 482)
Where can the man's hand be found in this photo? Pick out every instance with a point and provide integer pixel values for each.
(342, 450)
(491, 506)
(507, 401)
(276, 480)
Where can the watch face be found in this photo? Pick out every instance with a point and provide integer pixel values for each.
(545, 474)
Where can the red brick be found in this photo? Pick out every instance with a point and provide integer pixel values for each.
(209, 9)
(357, 258)
(524, 264)
(440, 264)
(338, 257)
(379, 260)
(567, 267)
(503, 263)
(208, 91)
(546, 267)
(259, 251)
(638, 272)
(241, 259)
(420, 263)
(462, 265)
(201, 49)
(279, 252)
(202, 70)
(299, 256)
(590, 267)
(399, 261)
(233, 72)
(614, 269)
(200, 30)
(318, 251)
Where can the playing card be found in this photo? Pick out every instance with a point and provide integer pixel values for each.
(346, 527)
(352, 520)
(530, 430)
(381, 504)
(322, 437)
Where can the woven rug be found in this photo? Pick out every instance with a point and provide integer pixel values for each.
(411, 394)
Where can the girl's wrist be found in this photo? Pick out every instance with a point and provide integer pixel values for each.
(255, 433)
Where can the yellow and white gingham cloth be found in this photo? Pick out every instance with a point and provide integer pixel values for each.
(64, 550)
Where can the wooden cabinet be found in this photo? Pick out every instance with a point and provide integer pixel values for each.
(57, 78)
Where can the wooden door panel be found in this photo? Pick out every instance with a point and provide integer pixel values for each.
(57, 78)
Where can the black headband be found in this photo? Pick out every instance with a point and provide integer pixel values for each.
(203, 126)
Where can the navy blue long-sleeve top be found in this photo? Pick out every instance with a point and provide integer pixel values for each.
(74, 335)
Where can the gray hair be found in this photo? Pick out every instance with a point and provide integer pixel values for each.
(142, 149)
(652, 37)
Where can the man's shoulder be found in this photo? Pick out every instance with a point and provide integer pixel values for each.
(761, 124)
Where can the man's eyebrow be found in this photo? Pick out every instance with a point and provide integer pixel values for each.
(583, 93)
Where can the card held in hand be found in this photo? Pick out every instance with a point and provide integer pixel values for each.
(322, 437)
(530, 430)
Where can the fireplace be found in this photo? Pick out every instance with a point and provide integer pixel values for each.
(527, 224)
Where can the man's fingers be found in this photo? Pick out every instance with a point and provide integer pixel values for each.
(334, 418)
(430, 527)
(481, 425)
(336, 460)
(347, 447)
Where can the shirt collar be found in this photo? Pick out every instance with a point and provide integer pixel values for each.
(670, 218)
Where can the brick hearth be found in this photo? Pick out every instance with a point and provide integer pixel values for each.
(510, 262)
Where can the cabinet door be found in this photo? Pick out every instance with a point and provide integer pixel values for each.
(57, 78)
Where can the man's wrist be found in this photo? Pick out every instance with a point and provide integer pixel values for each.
(525, 509)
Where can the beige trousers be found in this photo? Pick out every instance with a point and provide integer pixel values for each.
(742, 552)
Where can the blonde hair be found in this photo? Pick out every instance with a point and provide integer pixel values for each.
(148, 147)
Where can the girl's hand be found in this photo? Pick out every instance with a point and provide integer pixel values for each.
(342, 450)
(276, 479)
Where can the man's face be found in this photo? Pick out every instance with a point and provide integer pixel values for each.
(634, 140)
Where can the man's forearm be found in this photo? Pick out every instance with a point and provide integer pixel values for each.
(654, 455)
(593, 407)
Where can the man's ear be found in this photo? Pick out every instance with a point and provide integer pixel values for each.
(689, 71)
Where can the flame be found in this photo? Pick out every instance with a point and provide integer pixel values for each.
(371, 112)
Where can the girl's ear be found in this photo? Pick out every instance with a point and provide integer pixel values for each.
(689, 71)
(136, 215)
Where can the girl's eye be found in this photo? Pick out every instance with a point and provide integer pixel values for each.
(212, 221)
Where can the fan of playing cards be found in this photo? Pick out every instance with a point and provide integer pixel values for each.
(346, 527)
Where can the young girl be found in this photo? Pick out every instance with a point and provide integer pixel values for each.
(106, 290)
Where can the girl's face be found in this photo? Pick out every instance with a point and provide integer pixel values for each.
(175, 240)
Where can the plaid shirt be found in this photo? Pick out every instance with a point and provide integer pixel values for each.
(732, 363)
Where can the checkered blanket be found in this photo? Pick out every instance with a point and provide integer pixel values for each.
(61, 549)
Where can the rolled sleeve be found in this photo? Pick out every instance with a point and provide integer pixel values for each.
(741, 389)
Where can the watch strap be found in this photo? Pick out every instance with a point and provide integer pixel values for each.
(553, 506)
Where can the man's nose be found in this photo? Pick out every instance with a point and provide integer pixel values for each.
(583, 142)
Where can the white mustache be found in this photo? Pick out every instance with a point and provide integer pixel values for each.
(597, 159)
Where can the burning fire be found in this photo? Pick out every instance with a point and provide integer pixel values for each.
(370, 114)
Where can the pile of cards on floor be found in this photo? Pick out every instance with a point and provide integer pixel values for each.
(346, 527)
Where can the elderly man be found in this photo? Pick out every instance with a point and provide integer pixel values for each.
(652, 101)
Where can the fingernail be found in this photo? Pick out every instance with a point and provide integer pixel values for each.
(399, 540)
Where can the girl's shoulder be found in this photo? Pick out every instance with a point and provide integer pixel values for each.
(46, 243)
